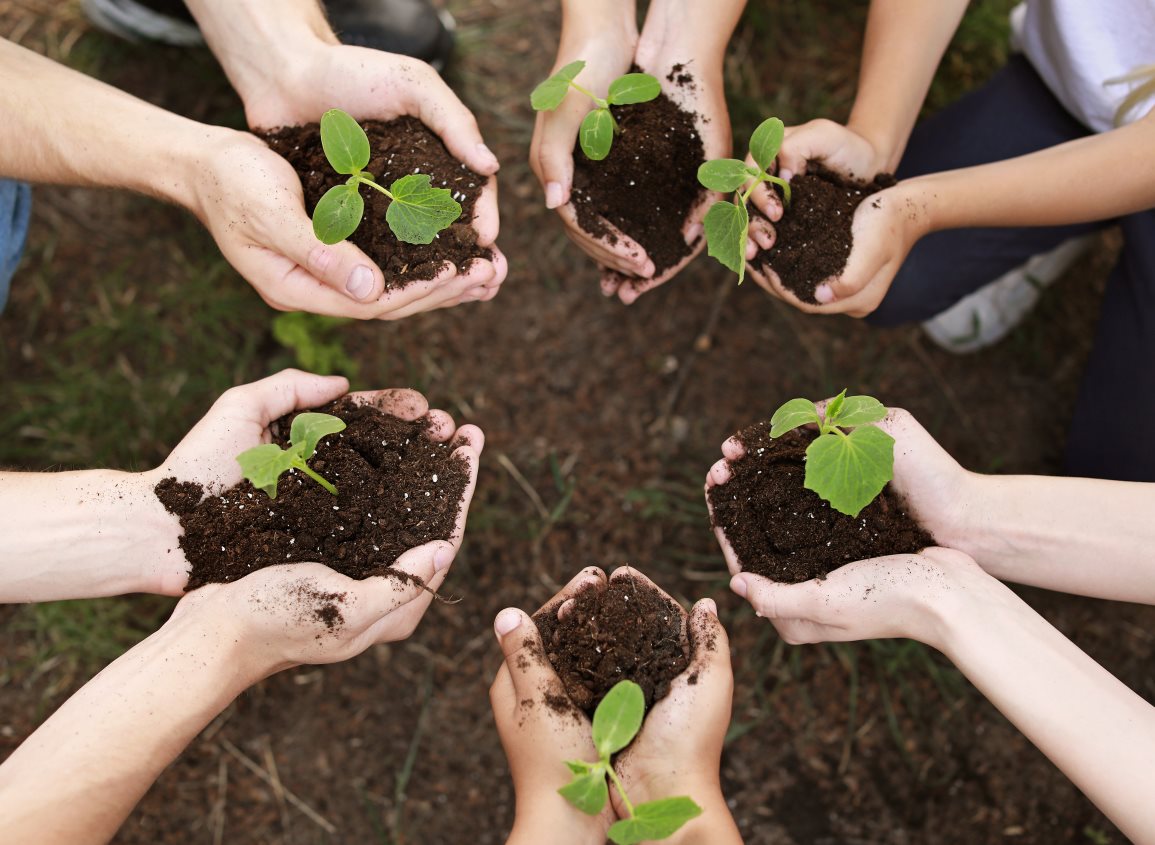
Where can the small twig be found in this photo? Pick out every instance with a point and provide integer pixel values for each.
(313, 815)
(701, 343)
(524, 484)
(218, 813)
(406, 771)
(278, 789)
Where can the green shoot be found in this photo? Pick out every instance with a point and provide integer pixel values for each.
(727, 223)
(599, 127)
(264, 465)
(417, 211)
(846, 469)
(617, 720)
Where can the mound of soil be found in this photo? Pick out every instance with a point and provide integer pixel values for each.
(814, 235)
(648, 184)
(400, 147)
(781, 530)
(396, 489)
(628, 632)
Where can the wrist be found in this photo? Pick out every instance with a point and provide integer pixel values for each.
(205, 619)
(692, 32)
(545, 816)
(714, 825)
(585, 22)
(948, 616)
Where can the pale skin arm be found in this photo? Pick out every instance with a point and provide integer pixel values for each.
(1095, 729)
(79, 775)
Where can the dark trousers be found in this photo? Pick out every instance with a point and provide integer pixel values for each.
(1012, 115)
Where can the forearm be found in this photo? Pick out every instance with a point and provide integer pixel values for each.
(904, 42)
(1044, 188)
(77, 778)
(63, 127)
(1095, 729)
(715, 826)
(586, 20)
(696, 31)
(1077, 535)
(82, 535)
(550, 818)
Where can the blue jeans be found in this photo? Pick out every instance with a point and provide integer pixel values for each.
(1015, 114)
(15, 209)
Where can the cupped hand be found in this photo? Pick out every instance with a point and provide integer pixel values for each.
(240, 419)
(942, 496)
(539, 727)
(911, 595)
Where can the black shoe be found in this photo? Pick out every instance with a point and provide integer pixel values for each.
(409, 27)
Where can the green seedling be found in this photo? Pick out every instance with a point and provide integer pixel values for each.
(617, 720)
(599, 127)
(264, 465)
(417, 211)
(727, 223)
(850, 461)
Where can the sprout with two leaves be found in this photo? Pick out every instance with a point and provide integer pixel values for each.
(599, 127)
(728, 222)
(264, 465)
(417, 211)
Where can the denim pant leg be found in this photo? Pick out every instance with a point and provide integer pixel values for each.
(1109, 436)
(15, 209)
(1013, 114)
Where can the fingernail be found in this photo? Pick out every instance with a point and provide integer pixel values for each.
(320, 258)
(786, 174)
(486, 152)
(506, 621)
(738, 585)
(552, 194)
(647, 271)
(693, 233)
(442, 558)
(360, 282)
(710, 607)
(824, 294)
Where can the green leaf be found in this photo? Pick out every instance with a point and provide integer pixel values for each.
(263, 465)
(633, 88)
(548, 95)
(654, 820)
(849, 470)
(338, 214)
(834, 408)
(579, 767)
(344, 141)
(587, 792)
(418, 211)
(618, 717)
(859, 410)
(596, 135)
(726, 225)
(723, 174)
(791, 415)
(766, 142)
(309, 428)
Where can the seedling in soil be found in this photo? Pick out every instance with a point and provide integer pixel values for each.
(849, 462)
(599, 127)
(727, 223)
(264, 465)
(617, 720)
(417, 211)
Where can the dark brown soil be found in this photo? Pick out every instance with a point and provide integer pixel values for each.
(396, 489)
(648, 185)
(781, 530)
(813, 237)
(629, 631)
(400, 147)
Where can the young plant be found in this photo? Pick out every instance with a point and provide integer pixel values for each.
(617, 720)
(599, 127)
(264, 465)
(849, 462)
(727, 223)
(417, 211)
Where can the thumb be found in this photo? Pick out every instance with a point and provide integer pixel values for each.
(772, 600)
(555, 153)
(341, 266)
(709, 644)
(525, 657)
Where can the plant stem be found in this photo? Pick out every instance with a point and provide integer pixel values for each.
(762, 177)
(304, 467)
(621, 790)
(601, 104)
(373, 184)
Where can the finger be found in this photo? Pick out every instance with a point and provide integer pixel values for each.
(555, 134)
(340, 266)
(615, 249)
(441, 110)
(719, 473)
(767, 201)
(399, 401)
(589, 578)
(472, 436)
(472, 458)
(486, 221)
(441, 426)
(709, 644)
(772, 600)
(410, 575)
(732, 449)
(629, 293)
(277, 395)
(762, 234)
(525, 660)
(402, 621)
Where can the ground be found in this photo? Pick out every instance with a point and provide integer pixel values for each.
(601, 420)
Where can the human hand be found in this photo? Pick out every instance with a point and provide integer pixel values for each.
(239, 420)
(942, 496)
(885, 228)
(539, 734)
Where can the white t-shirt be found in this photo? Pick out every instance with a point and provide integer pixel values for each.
(1076, 45)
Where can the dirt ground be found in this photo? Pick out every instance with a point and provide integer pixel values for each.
(601, 421)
